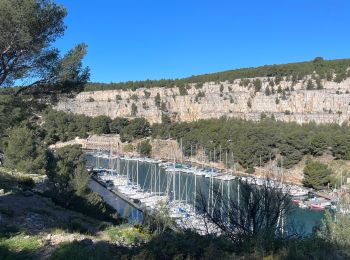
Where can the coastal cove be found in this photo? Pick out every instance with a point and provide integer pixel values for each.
(300, 220)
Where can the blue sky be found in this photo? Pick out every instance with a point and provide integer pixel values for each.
(153, 39)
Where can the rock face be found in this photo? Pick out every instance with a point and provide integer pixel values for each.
(289, 102)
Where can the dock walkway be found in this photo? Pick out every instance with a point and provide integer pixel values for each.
(120, 195)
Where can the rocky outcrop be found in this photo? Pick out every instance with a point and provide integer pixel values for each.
(289, 102)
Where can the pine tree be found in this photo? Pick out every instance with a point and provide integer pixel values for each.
(267, 91)
(316, 175)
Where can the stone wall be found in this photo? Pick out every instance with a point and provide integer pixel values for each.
(328, 105)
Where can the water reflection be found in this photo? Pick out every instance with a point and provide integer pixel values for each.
(180, 186)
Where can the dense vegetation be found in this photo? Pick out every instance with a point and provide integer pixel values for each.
(244, 142)
(316, 175)
(255, 142)
(331, 69)
(25, 151)
(61, 126)
(249, 142)
(69, 184)
(24, 143)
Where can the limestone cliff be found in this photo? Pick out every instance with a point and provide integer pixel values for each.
(288, 102)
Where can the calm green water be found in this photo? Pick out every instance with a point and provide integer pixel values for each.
(152, 177)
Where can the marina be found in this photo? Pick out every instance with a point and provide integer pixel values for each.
(146, 184)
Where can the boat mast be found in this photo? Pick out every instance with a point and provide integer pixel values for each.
(109, 158)
(97, 160)
(155, 179)
(282, 169)
(181, 151)
(174, 182)
(238, 200)
(233, 161)
(282, 226)
(179, 186)
(228, 202)
(151, 178)
(186, 191)
(158, 178)
(132, 175)
(137, 173)
(167, 185)
(118, 171)
(203, 156)
(222, 197)
(212, 193)
(127, 171)
(209, 193)
(194, 194)
(191, 151)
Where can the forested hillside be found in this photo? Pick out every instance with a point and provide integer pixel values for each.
(250, 143)
(336, 70)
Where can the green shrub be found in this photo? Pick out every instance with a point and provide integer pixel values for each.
(25, 182)
(166, 118)
(199, 95)
(134, 97)
(127, 234)
(244, 82)
(182, 90)
(319, 84)
(316, 175)
(157, 100)
(118, 98)
(257, 85)
(249, 103)
(76, 224)
(133, 109)
(144, 148)
(340, 76)
(310, 85)
(199, 85)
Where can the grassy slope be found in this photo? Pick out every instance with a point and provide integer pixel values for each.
(32, 226)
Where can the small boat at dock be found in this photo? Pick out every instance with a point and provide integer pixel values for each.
(317, 206)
